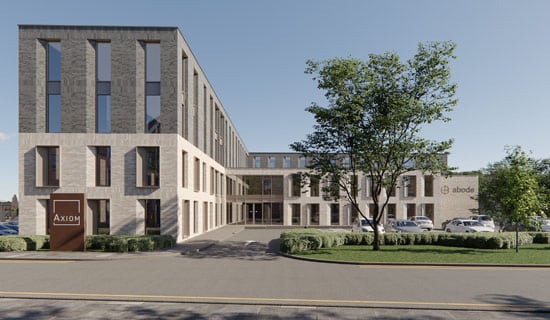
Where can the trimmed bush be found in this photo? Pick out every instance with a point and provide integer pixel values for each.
(299, 240)
(12, 243)
(37, 242)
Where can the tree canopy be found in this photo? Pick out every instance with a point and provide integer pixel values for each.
(373, 120)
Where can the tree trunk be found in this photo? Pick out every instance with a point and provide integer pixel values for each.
(376, 242)
(517, 238)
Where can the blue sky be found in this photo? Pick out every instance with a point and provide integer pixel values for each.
(254, 53)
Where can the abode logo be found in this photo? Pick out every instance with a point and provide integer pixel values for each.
(458, 189)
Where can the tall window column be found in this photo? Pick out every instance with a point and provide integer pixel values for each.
(152, 87)
(103, 87)
(53, 108)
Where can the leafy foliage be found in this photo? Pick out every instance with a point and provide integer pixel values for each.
(372, 124)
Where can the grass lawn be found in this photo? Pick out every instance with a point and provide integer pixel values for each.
(529, 254)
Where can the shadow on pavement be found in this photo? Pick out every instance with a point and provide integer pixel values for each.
(243, 250)
(540, 309)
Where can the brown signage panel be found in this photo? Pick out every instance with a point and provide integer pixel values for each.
(67, 223)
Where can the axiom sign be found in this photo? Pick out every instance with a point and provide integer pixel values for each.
(67, 224)
(457, 189)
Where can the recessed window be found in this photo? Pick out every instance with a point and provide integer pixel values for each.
(272, 162)
(101, 216)
(302, 162)
(152, 216)
(287, 162)
(148, 166)
(152, 88)
(257, 162)
(47, 166)
(103, 166)
(334, 214)
(103, 87)
(53, 88)
(429, 186)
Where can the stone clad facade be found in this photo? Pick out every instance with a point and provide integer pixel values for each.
(152, 147)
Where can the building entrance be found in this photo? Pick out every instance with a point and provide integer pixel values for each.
(264, 213)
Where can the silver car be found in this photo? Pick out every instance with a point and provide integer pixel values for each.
(404, 226)
(423, 222)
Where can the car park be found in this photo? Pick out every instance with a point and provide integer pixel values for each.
(364, 226)
(6, 230)
(484, 220)
(467, 226)
(404, 226)
(423, 222)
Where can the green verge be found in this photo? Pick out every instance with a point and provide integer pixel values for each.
(528, 254)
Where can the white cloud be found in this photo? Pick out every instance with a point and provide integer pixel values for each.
(5, 136)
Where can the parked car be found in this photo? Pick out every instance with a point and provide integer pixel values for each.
(446, 222)
(467, 226)
(364, 226)
(404, 226)
(5, 230)
(545, 225)
(423, 222)
(484, 220)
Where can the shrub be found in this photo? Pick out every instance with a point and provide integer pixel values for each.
(541, 237)
(37, 242)
(12, 243)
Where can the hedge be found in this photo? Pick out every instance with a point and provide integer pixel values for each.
(24, 243)
(109, 243)
(299, 240)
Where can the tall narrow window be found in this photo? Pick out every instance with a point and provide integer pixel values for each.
(334, 214)
(53, 107)
(152, 216)
(148, 166)
(314, 187)
(196, 108)
(287, 162)
(103, 87)
(152, 87)
(185, 91)
(296, 185)
(302, 162)
(428, 186)
(103, 166)
(47, 166)
(257, 162)
(272, 162)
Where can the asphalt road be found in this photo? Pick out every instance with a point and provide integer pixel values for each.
(244, 277)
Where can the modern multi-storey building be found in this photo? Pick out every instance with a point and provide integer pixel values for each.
(126, 116)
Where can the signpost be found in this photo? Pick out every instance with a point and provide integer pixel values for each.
(67, 222)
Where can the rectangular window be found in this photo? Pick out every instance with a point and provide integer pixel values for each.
(296, 185)
(101, 216)
(103, 87)
(302, 162)
(152, 216)
(409, 184)
(287, 162)
(334, 214)
(314, 187)
(195, 112)
(411, 210)
(314, 214)
(272, 162)
(53, 88)
(184, 169)
(103, 166)
(148, 166)
(47, 166)
(391, 211)
(152, 87)
(257, 162)
(428, 186)
(429, 210)
(296, 214)
(197, 175)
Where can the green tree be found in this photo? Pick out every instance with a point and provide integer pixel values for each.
(372, 124)
(510, 191)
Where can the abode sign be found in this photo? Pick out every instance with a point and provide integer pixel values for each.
(67, 223)
(457, 189)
